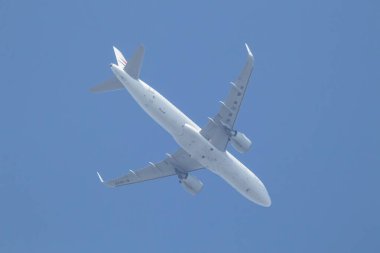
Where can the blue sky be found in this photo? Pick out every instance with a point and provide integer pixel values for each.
(312, 111)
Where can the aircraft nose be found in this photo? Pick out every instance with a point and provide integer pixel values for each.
(262, 196)
(263, 199)
(266, 201)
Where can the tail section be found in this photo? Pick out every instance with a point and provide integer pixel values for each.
(121, 61)
(108, 85)
(133, 68)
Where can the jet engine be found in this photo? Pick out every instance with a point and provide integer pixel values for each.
(191, 184)
(240, 142)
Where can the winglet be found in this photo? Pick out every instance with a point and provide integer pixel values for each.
(100, 178)
(248, 50)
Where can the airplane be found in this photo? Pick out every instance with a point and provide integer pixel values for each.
(199, 147)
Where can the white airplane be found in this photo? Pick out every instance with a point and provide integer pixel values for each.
(199, 147)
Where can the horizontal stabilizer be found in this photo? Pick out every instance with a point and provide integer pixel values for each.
(133, 68)
(109, 85)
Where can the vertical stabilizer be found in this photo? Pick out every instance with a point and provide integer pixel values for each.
(121, 62)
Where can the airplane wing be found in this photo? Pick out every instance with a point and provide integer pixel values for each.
(219, 129)
(178, 163)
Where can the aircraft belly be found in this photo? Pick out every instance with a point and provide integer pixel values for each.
(242, 179)
(224, 165)
(166, 115)
(156, 106)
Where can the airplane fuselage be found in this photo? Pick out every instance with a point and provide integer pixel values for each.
(186, 133)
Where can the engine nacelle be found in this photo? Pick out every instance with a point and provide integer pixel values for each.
(240, 142)
(191, 184)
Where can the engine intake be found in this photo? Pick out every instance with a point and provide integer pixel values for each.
(191, 184)
(240, 142)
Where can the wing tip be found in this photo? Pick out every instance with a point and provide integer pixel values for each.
(100, 178)
(109, 184)
(249, 50)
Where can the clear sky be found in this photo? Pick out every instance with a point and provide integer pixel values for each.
(312, 111)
